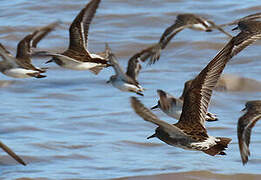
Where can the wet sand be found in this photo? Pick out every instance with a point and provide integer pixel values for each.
(200, 175)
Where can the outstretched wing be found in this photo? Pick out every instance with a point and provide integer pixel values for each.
(214, 26)
(147, 115)
(246, 18)
(134, 67)
(11, 153)
(250, 32)
(244, 127)
(153, 52)
(186, 88)
(183, 21)
(24, 48)
(197, 98)
(171, 31)
(80, 26)
(23, 54)
(41, 33)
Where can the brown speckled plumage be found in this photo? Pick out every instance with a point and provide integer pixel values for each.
(196, 100)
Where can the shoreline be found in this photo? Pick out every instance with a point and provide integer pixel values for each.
(192, 175)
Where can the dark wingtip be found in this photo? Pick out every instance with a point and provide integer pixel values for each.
(40, 76)
(244, 162)
(236, 28)
(48, 61)
(211, 120)
(153, 59)
(152, 136)
(19, 160)
(139, 93)
(243, 109)
(154, 107)
(22, 162)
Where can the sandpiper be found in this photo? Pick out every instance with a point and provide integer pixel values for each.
(173, 106)
(125, 81)
(183, 21)
(11, 153)
(77, 56)
(245, 125)
(21, 66)
(190, 132)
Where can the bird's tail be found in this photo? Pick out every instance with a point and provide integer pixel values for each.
(219, 148)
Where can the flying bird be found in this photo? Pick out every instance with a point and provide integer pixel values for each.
(125, 81)
(182, 22)
(21, 66)
(190, 132)
(245, 125)
(77, 56)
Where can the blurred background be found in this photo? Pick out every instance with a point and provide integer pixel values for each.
(72, 124)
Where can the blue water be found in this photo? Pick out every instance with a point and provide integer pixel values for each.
(74, 125)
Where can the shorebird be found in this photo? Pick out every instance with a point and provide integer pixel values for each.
(190, 132)
(183, 21)
(77, 56)
(21, 65)
(245, 125)
(125, 81)
(172, 106)
(250, 17)
(11, 153)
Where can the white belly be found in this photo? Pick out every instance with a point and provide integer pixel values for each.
(123, 86)
(73, 64)
(18, 72)
(199, 27)
(80, 66)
